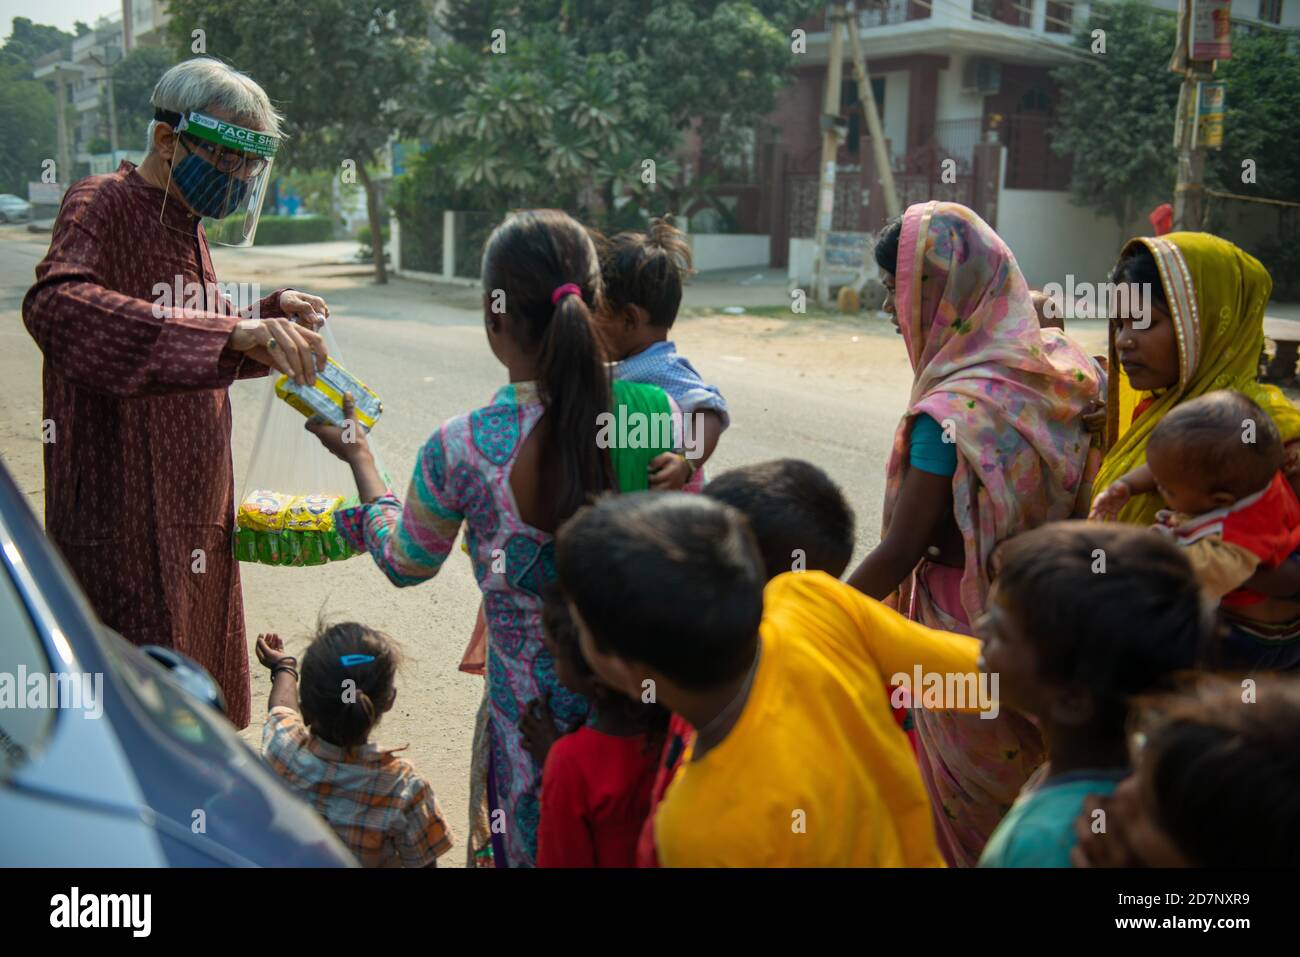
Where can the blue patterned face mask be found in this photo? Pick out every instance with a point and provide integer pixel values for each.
(207, 190)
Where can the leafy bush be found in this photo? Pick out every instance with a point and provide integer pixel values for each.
(283, 230)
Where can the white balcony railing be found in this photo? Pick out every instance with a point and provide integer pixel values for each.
(887, 13)
(1051, 16)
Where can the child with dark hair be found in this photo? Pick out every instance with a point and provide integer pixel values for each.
(643, 274)
(1217, 462)
(798, 515)
(796, 759)
(801, 522)
(596, 779)
(1216, 782)
(1081, 617)
(375, 801)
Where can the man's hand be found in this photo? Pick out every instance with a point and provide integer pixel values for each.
(669, 471)
(281, 344)
(306, 309)
(347, 442)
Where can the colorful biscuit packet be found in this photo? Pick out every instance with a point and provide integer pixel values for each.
(264, 511)
(325, 398)
(272, 528)
(312, 513)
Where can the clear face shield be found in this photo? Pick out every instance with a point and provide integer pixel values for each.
(222, 171)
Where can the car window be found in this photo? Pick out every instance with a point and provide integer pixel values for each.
(26, 710)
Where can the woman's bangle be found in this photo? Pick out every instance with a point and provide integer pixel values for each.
(283, 667)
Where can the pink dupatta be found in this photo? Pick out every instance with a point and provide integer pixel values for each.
(1011, 395)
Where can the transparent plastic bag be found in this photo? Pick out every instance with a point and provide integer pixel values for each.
(293, 488)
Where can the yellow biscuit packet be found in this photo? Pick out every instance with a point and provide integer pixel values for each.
(312, 513)
(263, 511)
(325, 398)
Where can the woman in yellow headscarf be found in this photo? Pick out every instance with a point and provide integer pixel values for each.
(1204, 331)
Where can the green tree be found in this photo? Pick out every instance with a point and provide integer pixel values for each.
(28, 119)
(134, 77)
(28, 111)
(1263, 104)
(1116, 112)
(542, 124)
(714, 64)
(587, 93)
(345, 74)
(27, 41)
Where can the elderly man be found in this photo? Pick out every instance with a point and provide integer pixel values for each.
(139, 486)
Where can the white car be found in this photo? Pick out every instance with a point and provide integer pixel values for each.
(14, 209)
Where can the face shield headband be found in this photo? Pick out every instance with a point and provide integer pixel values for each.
(223, 172)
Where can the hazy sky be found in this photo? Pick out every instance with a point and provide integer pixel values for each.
(60, 13)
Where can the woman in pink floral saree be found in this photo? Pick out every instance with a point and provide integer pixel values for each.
(992, 444)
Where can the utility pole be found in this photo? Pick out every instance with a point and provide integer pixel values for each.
(64, 172)
(842, 19)
(831, 134)
(867, 97)
(1189, 190)
(106, 63)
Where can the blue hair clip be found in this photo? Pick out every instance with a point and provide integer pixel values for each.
(347, 661)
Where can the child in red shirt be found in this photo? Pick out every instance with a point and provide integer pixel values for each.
(1217, 462)
(596, 780)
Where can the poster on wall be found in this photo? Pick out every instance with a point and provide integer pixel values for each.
(1211, 29)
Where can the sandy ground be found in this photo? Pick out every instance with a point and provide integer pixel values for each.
(827, 390)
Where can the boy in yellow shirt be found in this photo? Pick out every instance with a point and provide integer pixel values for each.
(797, 760)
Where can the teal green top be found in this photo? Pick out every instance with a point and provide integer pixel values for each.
(927, 449)
(1038, 831)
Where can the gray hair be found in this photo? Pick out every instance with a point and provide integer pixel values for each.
(205, 84)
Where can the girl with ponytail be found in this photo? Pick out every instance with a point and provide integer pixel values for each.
(378, 805)
(511, 473)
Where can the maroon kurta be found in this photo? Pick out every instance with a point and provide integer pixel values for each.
(139, 485)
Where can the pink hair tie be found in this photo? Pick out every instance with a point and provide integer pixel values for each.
(568, 289)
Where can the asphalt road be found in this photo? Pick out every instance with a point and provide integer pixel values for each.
(830, 391)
